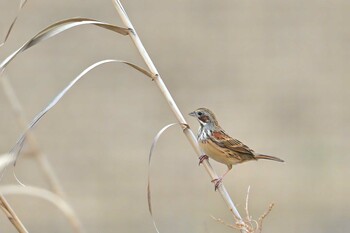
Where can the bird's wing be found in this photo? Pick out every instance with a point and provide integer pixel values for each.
(225, 141)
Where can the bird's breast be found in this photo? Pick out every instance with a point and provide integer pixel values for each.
(214, 151)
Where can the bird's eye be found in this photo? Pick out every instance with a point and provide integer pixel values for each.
(200, 113)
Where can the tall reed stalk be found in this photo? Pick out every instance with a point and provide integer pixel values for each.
(179, 116)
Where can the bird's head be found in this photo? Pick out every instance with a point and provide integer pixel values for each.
(204, 116)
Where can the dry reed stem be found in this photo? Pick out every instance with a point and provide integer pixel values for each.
(11, 215)
(35, 150)
(44, 194)
(187, 131)
(249, 224)
(248, 216)
(20, 7)
(31, 139)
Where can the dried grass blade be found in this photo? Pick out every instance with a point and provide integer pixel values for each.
(57, 28)
(154, 143)
(19, 144)
(44, 194)
(21, 5)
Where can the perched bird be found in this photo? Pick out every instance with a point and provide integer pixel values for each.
(219, 146)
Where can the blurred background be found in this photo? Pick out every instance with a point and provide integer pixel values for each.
(276, 73)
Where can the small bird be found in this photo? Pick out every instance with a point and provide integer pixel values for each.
(221, 147)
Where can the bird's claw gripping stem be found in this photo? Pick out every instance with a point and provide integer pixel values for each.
(217, 182)
(202, 158)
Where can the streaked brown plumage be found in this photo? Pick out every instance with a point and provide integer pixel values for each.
(219, 146)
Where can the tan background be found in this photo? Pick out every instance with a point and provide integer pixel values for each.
(275, 72)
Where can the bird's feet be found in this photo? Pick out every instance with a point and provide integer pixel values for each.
(202, 158)
(217, 182)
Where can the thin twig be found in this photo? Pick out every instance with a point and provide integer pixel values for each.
(248, 216)
(250, 225)
(11, 215)
(187, 131)
(261, 219)
(225, 223)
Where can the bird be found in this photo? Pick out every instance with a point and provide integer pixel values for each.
(218, 145)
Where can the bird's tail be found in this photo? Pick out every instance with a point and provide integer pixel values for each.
(269, 158)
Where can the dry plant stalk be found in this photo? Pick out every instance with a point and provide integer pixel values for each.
(11, 215)
(35, 151)
(44, 194)
(249, 224)
(34, 148)
(21, 5)
(186, 130)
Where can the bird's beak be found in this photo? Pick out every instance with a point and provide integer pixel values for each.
(192, 114)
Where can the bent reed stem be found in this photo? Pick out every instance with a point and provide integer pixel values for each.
(186, 130)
